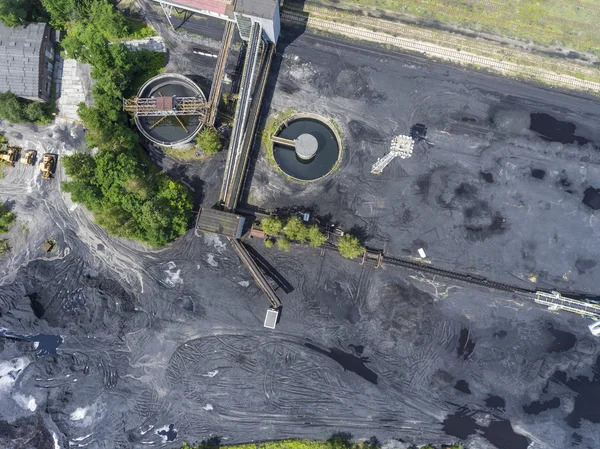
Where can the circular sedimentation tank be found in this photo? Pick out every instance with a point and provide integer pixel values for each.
(317, 148)
(168, 131)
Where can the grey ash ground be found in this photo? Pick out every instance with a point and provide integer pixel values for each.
(154, 338)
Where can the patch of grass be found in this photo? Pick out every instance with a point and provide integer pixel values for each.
(187, 155)
(340, 442)
(138, 29)
(24, 228)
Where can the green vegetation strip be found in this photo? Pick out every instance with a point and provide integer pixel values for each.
(341, 442)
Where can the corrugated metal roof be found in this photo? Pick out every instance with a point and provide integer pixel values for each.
(20, 58)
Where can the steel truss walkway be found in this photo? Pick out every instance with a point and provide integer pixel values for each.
(161, 106)
(555, 301)
(238, 144)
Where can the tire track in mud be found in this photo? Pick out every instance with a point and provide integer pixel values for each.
(277, 380)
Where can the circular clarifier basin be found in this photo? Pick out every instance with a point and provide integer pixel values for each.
(316, 152)
(170, 131)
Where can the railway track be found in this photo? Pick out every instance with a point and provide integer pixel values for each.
(457, 276)
(436, 51)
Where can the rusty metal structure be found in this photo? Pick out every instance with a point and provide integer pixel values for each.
(165, 106)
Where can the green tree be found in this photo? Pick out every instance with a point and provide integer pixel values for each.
(315, 237)
(295, 230)
(18, 12)
(209, 141)
(271, 225)
(36, 112)
(269, 243)
(283, 244)
(60, 12)
(7, 219)
(349, 246)
(10, 107)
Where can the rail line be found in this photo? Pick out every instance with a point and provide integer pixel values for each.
(217, 85)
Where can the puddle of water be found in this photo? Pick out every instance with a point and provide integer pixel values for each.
(537, 407)
(487, 177)
(358, 348)
(460, 424)
(495, 402)
(463, 387)
(554, 130)
(500, 433)
(563, 341)
(538, 173)
(465, 344)
(591, 198)
(588, 396)
(348, 361)
(47, 344)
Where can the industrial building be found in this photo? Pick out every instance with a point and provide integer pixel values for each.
(243, 12)
(27, 60)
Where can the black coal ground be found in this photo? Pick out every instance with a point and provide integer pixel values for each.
(154, 338)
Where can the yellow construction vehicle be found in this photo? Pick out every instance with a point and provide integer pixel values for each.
(29, 158)
(48, 165)
(10, 156)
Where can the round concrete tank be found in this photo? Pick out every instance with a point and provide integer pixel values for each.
(170, 131)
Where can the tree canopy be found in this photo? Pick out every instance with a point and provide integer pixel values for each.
(127, 200)
(295, 230)
(271, 225)
(17, 110)
(315, 237)
(349, 246)
(17, 12)
(209, 141)
(120, 184)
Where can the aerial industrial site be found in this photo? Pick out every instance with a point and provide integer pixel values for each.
(252, 222)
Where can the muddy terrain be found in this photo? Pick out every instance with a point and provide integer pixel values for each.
(112, 345)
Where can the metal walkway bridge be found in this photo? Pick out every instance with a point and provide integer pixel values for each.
(245, 117)
(165, 106)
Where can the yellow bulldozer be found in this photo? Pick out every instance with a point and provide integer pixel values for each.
(48, 165)
(10, 156)
(29, 158)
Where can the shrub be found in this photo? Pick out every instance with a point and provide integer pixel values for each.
(17, 110)
(349, 246)
(283, 244)
(209, 141)
(269, 243)
(315, 237)
(128, 200)
(7, 219)
(271, 225)
(295, 230)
